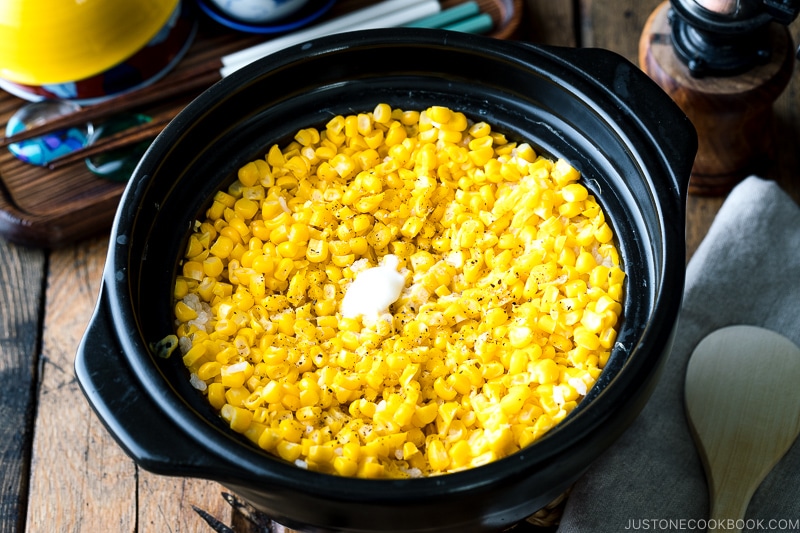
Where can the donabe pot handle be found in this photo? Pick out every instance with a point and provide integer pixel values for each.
(641, 101)
(146, 434)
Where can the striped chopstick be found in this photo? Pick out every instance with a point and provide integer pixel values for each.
(196, 79)
(121, 139)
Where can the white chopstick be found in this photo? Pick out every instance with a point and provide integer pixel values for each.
(387, 14)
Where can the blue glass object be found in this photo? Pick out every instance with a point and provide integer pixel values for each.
(117, 165)
(41, 150)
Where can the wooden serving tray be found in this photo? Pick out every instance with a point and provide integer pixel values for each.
(46, 208)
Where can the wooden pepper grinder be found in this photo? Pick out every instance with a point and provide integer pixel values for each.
(724, 62)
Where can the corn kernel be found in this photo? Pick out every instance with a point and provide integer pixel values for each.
(238, 418)
(513, 294)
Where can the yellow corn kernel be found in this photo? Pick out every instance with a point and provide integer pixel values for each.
(321, 454)
(545, 371)
(439, 114)
(585, 262)
(615, 276)
(193, 270)
(512, 402)
(425, 414)
(443, 389)
(449, 136)
(607, 338)
(184, 313)
(284, 269)
(371, 470)
(587, 339)
(317, 250)
(291, 430)
(570, 209)
(325, 152)
(380, 236)
(520, 336)
(574, 192)
(307, 136)
(603, 233)
(382, 113)
(269, 439)
(437, 456)
(592, 321)
(222, 247)
(250, 173)
(481, 156)
(237, 396)
(216, 210)
(235, 375)
(289, 451)
(514, 291)
(209, 370)
(288, 249)
(362, 223)
(246, 208)
(345, 466)
(224, 198)
(411, 227)
(216, 395)
(238, 418)
(181, 288)
(393, 137)
(195, 354)
(344, 165)
(213, 266)
(422, 261)
(564, 173)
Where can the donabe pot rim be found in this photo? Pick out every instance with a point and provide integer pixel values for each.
(135, 246)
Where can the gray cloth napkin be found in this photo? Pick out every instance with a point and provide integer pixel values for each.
(746, 271)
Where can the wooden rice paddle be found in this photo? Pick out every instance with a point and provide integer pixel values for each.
(744, 411)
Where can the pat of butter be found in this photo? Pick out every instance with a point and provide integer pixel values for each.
(373, 290)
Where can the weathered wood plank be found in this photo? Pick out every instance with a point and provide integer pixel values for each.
(549, 22)
(166, 504)
(615, 24)
(80, 479)
(21, 281)
(785, 163)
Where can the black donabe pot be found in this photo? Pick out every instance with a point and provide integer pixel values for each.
(631, 143)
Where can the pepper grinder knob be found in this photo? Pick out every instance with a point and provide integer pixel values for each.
(724, 62)
(723, 7)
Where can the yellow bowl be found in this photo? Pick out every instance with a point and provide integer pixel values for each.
(53, 41)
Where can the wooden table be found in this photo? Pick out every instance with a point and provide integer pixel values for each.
(59, 468)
